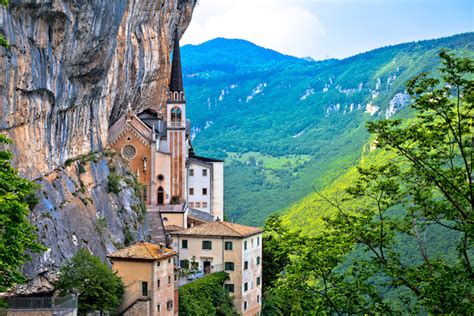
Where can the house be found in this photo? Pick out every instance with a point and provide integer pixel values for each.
(147, 271)
(223, 246)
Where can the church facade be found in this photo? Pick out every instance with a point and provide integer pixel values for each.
(184, 188)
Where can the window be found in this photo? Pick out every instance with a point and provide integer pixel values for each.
(246, 287)
(191, 204)
(176, 114)
(228, 245)
(204, 172)
(158, 307)
(246, 265)
(169, 279)
(229, 266)
(258, 280)
(245, 305)
(204, 204)
(144, 288)
(206, 244)
(258, 298)
(129, 151)
(251, 241)
(158, 283)
(204, 191)
(198, 204)
(191, 191)
(169, 305)
(258, 241)
(245, 245)
(191, 172)
(229, 287)
(161, 177)
(258, 260)
(184, 243)
(157, 263)
(169, 260)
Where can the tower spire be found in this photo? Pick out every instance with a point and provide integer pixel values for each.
(176, 81)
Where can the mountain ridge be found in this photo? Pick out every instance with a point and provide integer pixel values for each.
(287, 126)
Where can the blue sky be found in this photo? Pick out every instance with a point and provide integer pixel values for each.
(328, 28)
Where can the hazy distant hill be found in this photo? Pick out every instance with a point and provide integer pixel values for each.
(285, 124)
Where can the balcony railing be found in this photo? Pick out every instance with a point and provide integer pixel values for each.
(68, 303)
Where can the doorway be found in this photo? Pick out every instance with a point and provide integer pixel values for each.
(161, 196)
(207, 267)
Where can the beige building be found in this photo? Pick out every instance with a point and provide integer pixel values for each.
(223, 246)
(147, 271)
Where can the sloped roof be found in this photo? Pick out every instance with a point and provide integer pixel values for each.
(172, 228)
(143, 250)
(200, 215)
(218, 229)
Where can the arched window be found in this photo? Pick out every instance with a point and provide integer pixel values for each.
(175, 114)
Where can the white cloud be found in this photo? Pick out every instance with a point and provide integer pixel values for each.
(285, 26)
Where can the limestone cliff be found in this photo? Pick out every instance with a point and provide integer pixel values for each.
(72, 69)
(74, 65)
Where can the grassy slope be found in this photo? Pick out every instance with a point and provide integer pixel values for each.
(276, 124)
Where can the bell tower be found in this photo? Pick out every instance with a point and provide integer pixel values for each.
(176, 126)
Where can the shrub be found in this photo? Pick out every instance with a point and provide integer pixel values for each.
(114, 185)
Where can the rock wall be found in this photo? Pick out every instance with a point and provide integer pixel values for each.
(75, 65)
(93, 203)
(72, 69)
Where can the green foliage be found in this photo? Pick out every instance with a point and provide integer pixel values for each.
(3, 41)
(206, 296)
(114, 185)
(99, 288)
(292, 118)
(17, 236)
(398, 238)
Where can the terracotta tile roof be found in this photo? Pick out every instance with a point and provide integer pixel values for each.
(143, 250)
(172, 228)
(219, 228)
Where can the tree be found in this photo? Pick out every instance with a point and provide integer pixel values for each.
(99, 288)
(17, 236)
(206, 296)
(428, 184)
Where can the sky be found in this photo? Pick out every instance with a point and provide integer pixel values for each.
(324, 29)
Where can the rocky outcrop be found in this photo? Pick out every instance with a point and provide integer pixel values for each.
(74, 66)
(93, 203)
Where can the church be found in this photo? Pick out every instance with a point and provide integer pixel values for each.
(184, 194)
(184, 188)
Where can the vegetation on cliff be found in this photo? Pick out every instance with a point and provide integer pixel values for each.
(17, 236)
(206, 296)
(373, 250)
(99, 288)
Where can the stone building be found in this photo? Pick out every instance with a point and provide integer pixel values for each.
(158, 147)
(223, 246)
(147, 271)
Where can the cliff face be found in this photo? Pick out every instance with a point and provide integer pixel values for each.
(74, 66)
(72, 69)
(93, 203)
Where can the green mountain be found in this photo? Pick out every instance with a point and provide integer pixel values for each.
(287, 125)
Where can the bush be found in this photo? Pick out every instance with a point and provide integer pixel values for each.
(206, 296)
(114, 185)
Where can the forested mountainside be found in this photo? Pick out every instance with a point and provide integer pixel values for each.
(286, 125)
